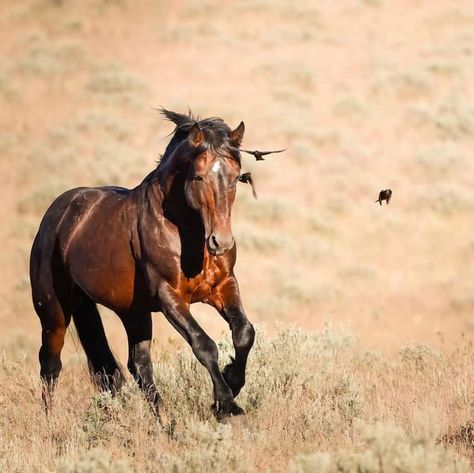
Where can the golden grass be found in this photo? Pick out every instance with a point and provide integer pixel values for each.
(312, 400)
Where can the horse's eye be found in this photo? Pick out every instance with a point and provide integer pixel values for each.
(197, 178)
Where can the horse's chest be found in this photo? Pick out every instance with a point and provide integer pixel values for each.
(200, 288)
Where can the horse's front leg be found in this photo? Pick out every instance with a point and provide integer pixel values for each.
(204, 348)
(229, 304)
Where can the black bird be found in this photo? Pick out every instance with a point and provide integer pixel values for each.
(246, 178)
(386, 195)
(259, 154)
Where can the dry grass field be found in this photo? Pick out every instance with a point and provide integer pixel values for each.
(377, 374)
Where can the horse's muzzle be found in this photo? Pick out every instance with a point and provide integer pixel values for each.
(218, 244)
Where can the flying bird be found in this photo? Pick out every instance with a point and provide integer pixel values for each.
(259, 154)
(246, 178)
(386, 195)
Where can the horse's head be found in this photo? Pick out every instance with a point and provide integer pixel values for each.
(211, 180)
(205, 154)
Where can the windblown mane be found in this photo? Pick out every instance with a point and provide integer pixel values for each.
(215, 130)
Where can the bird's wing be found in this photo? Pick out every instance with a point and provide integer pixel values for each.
(247, 151)
(263, 153)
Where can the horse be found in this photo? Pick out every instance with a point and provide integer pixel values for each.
(158, 247)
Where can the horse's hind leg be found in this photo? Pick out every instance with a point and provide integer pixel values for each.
(103, 366)
(139, 332)
(54, 322)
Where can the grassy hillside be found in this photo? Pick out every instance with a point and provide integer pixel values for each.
(365, 94)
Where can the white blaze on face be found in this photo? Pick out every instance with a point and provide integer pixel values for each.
(216, 166)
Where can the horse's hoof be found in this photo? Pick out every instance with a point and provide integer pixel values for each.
(228, 411)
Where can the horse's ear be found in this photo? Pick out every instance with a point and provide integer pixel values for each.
(196, 136)
(237, 135)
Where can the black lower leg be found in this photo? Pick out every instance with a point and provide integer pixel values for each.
(50, 364)
(206, 352)
(54, 322)
(141, 368)
(103, 366)
(243, 336)
(139, 332)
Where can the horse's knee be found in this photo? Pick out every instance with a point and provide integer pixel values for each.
(244, 335)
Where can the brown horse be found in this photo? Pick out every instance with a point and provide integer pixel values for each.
(161, 246)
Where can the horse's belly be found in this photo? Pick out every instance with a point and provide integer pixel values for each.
(114, 290)
(106, 273)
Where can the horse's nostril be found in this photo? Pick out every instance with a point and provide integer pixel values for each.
(214, 241)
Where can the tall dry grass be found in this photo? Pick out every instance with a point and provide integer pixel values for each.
(362, 102)
(314, 401)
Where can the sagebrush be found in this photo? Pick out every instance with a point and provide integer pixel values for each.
(313, 401)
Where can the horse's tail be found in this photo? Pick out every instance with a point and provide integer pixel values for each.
(103, 366)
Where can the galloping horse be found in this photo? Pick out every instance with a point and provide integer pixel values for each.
(161, 246)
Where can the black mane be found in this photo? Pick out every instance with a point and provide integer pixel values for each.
(216, 134)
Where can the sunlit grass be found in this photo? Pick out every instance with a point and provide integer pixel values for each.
(318, 393)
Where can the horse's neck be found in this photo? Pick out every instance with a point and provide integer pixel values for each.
(175, 206)
(148, 195)
(161, 195)
(163, 200)
(189, 227)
